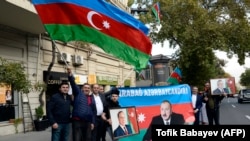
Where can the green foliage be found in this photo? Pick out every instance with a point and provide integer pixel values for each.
(16, 123)
(39, 112)
(39, 86)
(198, 28)
(245, 78)
(130, 2)
(12, 73)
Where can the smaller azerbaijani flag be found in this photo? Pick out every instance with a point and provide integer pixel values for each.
(156, 11)
(98, 22)
(175, 77)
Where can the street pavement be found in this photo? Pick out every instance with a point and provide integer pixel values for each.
(34, 136)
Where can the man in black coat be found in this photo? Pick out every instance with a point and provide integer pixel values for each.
(213, 105)
(167, 117)
(58, 112)
(112, 102)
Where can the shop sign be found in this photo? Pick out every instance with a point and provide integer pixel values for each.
(80, 79)
(107, 80)
(92, 79)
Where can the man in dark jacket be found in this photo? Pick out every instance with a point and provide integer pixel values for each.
(84, 110)
(112, 102)
(58, 112)
(213, 105)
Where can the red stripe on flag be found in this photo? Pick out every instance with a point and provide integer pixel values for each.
(176, 75)
(65, 13)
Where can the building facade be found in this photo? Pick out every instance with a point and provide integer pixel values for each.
(22, 40)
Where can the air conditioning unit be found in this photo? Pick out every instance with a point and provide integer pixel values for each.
(77, 60)
(64, 57)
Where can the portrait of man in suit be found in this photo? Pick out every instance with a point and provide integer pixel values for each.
(220, 88)
(167, 117)
(123, 129)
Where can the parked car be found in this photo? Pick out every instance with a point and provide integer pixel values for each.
(244, 95)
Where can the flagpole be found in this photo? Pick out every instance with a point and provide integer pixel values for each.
(54, 43)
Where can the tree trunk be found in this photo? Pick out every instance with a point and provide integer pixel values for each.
(41, 101)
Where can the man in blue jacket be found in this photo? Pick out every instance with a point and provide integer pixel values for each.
(58, 112)
(84, 110)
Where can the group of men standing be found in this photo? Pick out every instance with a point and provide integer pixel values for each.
(208, 103)
(87, 110)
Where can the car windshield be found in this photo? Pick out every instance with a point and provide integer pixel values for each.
(246, 91)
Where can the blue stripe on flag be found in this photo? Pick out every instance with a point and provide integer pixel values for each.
(105, 8)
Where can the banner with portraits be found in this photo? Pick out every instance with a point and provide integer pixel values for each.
(147, 101)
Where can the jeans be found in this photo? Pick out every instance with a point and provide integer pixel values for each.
(61, 133)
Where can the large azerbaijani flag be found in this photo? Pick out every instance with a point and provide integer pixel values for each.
(147, 101)
(98, 22)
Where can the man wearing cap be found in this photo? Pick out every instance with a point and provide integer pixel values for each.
(112, 102)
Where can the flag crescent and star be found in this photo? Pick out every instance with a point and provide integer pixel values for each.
(90, 20)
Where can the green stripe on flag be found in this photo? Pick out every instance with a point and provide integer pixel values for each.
(120, 50)
(173, 81)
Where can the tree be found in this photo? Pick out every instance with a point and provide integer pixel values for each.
(13, 73)
(245, 78)
(198, 28)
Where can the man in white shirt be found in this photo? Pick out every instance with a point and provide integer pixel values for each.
(100, 102)
(197, 104)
